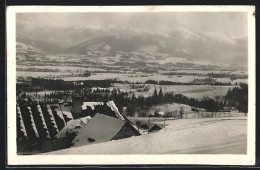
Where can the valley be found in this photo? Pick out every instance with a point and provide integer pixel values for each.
(189, 76)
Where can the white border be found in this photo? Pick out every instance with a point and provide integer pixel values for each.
(218, 159)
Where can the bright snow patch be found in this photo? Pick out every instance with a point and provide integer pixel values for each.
(113, 107)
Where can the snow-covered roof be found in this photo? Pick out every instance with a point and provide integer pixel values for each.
(53, 118)
(161, 113)
(91, 105)
(100, 128)
(110, 104)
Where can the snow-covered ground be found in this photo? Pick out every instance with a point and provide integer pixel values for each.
(226, 135)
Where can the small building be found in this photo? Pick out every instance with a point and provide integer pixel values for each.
(161, 113)
(226, 109)
(154, 128)
(102, 128)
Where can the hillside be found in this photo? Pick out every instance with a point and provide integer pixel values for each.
(26, 44)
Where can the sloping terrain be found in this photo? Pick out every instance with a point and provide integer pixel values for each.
(25, 43)
(227, 135)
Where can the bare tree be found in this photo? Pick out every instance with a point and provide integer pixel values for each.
(166, 112)
(186, 114)
(217, 99)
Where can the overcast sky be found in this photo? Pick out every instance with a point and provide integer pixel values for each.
(232, 24)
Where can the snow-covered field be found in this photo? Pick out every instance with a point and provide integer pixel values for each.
(134, 77)
(226, 135)
(195, 91)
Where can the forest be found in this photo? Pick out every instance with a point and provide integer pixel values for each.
(236, 97)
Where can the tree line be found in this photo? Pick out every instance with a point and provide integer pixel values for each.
(38, 84)
(235, 97)
(238, 97)
(166, 82)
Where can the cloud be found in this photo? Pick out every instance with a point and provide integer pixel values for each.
(217, 38)
(93, 27)
(185, 33)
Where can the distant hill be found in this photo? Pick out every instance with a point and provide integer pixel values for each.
(114, 43)
(40, 45)
(201, 46)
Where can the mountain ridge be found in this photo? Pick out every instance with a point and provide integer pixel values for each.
(45, 46)
(233, 51)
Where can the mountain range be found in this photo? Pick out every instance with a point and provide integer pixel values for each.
(178, 43)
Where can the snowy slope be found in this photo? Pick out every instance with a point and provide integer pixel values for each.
(180, 136)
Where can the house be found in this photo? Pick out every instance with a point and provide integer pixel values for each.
(154, 128)
(226, 109)
(44, 121)
(49, 125)
(102, 128)
(148, 127)
(161, 113)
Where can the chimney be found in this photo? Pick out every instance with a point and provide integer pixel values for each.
(77, 102)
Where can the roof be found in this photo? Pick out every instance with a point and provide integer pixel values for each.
(66, 110)
(92, 105)
(57, 110)
(52, 117)
(100, 128)
(154, 128)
